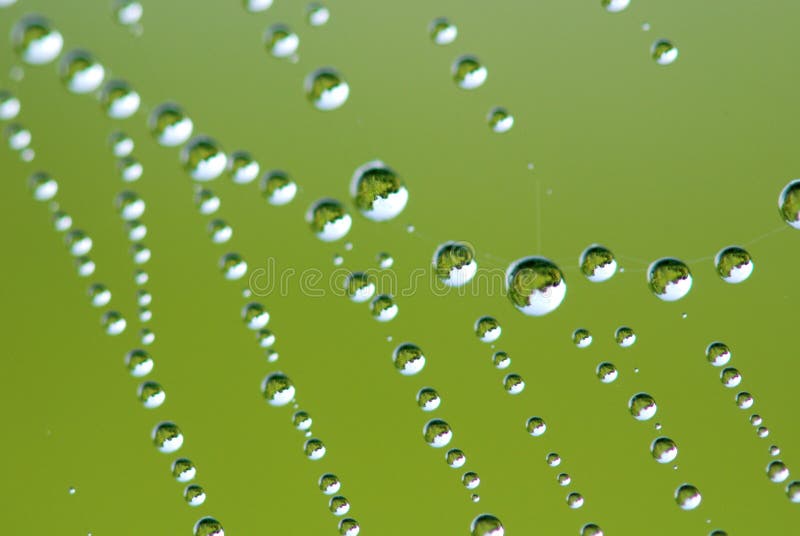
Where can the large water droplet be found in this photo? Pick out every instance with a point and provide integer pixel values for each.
(35, 40)
(455, 263)
(535, 285)
(469, 73)
(208, 526)
(688, 497)
(486, 525)
(777, 471)
(167, 437)
(718, 354)
(119, 99)
(378, 191)
(81, 72)
(642, 406)
(408, 359)
(203, 158)
(278, 389)
(437, 433)
(625, 336)
(733, 264)
(194, 495)
(428, 399)
(669, 279)
(442, 31)
(597, 263)
(151, 395)
(664, 52)
(170, 125)
(326, 89)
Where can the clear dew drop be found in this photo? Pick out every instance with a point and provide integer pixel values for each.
(471, 480)
(501, 360)
(468, 72)
(119, 99)
(203, 158)
(243, 168)
(302, 421)
(793, 491)
(278, 389)
(328, 219)
(384, 308)
(486, 525)
(733, 264)
(408, 359)
(194, 495)
(232, 266)
(113, 323)
(265, 338)
(255, 315)
(169, 125)
(688, 497)
(81, 72)
(590, 529)
(78, 243)
(43, 186)
(360, 287)
(615, 6)
(378, 191)
(35, 40)
(563, 479)
(744, 400)
(329, 484)
(789, 203)
(437, 433)
(455, 458)
(183, 470)
(314, 449)
(339, 505)
(581, 338)
(455, 264)
(762, 432)
(9, 105)
(536, 426)
(167, 437)
(278, 188)
(642, 406)
(207, 202)
(625, 336)
(535, 286)
(664, 450)
(141, 277)
(606, 372)
(317, 14)
(777, 471)
(488, 329)
(553, 459)
(575, 500)
(664, 52)
(280, 41)
(442, 31)
(669, 279)
(774, 450)
(208, 526)
(428, 399)
(500, 120)
(151, 394)
(128, 12)
(139, 363)
(256, 6)
(326, 89)
(513, 384)
(730, 377)
(349, 527)
(718, 354)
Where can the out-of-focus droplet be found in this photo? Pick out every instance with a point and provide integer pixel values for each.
(219, 231)
(384, 308)
(625, 336)
(378, 191)
(317, 14)
(408, 359)
(17, 136)
(233, 266)
(486, 525)
(606, 372)
(535, 285)
(139, 363)
(129, 205)
(81, 72)
(469, 73)
(169, 124)
(385, 261)
(35, 40)
(455, 264)
(9, 105)
(501, 360)
(119, 99)
(536, 426)
(428, 399)
(326, 89)
(167, 437)
(99, 295)
(563, 479)
(664, 450)
(62, 221)
(774, 450)
(688, 497)
(669, 279)
(255, 6)
(78, 243)
(203, 158)
(207, 201)
(278, 389)
(121, 144)
(255, 315)
(141, 277)
(500, 120)
(553, 459)
(85, 267)
(437, 433)
(442, 31)
(128, 12)
(664, 52)
(793, 491)
(43, 186)
(615, 6)
(513, 384)
(278, 188)
(597, 263)
(130, 169)
(329, 220)
(642, 406)
(147, 336)
(488, 329)
(281, 41)
(243, 168)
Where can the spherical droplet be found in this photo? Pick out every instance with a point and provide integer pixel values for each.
(777, 471)
(130, 169)
(317, 14)
(774, 450)
(278, 188)
(536, 426)
(385, 261)
(9, 105)
(535, 285)
(139, 363)
(575, 500)
(563, 479)
(255, 316)
(203, 158)
(442, 31)
(314, 449)
(688, 497)
(167, 437)
(408, 359)
(378, 191)
(326, 89)
(664, 450)
(793, 491)
(744, 400)
(329, 220)
(232, 266)
(349, 527)
(590, 529)
(581, 338)
(147, 336)
(625, 336)
(384, 308)
(329, 484)
(553, 459)
(756, 419)
(113, 323)
(339, 505)
(486, 525)
(170, 125)
(43, 186)
(642, 406)
(208, 526)
(501, 360)
(128, 12)
(500, 120)
(302, 421)
(255, 6)
(278, 389)
(669, 279)
(487, 329)
(470, 480)
(718, 354)
(62, 221)
(207, 201)
(194, 495)
(183, 470)
(455, 458)
(219, 231)
(151, 395)
(129, 205)
(455, 263)
(437, 433)
(789, 203)
(281, 41)
(81, 72)
(18, 137)
(615, 6)
(99, 295)
(607, 372)
(513, 384)
(359, 287)
(119, 99)
(35, 40)
(85, 267)
(428, 399)
(243, 168)
(734, 264)
(469, 73)
(730, 377)
(664, 52)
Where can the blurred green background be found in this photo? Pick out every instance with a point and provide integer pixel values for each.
(651, 161)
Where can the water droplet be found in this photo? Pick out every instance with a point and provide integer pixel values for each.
(130, 169)
(128, 12)
(147, 336)
(385, 261)
(486, 525)
(717, 533)
(18, 137)
(688, 497)
(349, 527)
(718, 354)
(730, 377)
(183, 470)
(254, 6)
(167, 437)
(195, 495)
(590, 529)
(553, 459)
(744, 400)
(141, 277)
(62, 221)
(789, 203)
(535, 285)
(625, 337)
(408, 359)
(278, 188)
(140, 253)
(278, 389)
(272, 356)
(170, 125)
(733, 264)
(428, 399)
(664, 450)
(339, 505)
(513, 384)
(243, 168)
(500, 120)
(203, 158)
(581, 337)
(81, 72)
(71, 490)
(442, 31)
(113, 323)
(329, 220)
(314, 449)
(35, 40)
(793, 491)
(129, 205)
(326, 89)
(607, 372)
(208, 526)
(384, 308)
(501, 360)
(455, 458)
(281, 41)
(43, 186)
(151, 394)
(487, 329)
(359, 287)
(664, 52)
(85, 266)
(756, 419)
(232, 266)
(378, 191)
(642, 406)
(437, 433)
(470, 480)
(575, 500)
(302, 421)
(469, 73)
(119, 99)
(255, 316)
(563, 479)
(265, 338)
(774, 450)
(121, 144)
(139, 363)
(536, 426)
(762, 432)
(99, 294)
(615, 6)
(9, 105)
(777, 471)
(455, 263)
(317, 14)
(207, 201)
(219, 231)
(329, 484)
(669, 279)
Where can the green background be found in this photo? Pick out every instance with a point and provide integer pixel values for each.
(651, 161)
